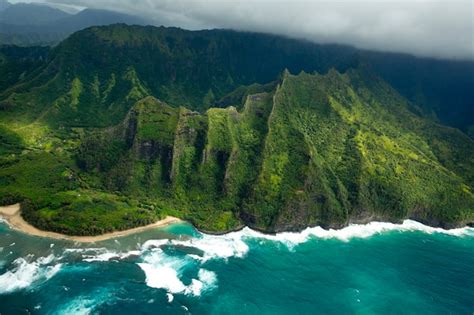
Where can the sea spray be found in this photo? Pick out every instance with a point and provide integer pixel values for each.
(162, 271)
(27, 272)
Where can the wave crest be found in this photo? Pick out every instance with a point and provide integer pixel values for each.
(26, 273)
(353, 231)
(164, 272)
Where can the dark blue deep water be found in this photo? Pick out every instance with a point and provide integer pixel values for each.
(378, 268)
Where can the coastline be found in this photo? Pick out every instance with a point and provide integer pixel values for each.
(12, 215)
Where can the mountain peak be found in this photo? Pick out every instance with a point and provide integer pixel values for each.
(30, 14)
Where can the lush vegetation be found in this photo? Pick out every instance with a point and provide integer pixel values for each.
(197, 69)
(93, 142)
(18, 63)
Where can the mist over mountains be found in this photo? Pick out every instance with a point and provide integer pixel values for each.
(428, 28)
(26, 24)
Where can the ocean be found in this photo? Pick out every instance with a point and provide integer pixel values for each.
(378, 268)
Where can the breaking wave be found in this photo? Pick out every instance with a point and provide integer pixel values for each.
(27, 272)
(352, 231)
(233, 244)
(165, 272)
(101, 254)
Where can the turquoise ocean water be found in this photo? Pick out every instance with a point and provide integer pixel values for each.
(378, 268)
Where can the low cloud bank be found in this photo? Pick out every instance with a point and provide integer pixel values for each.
(433, 28)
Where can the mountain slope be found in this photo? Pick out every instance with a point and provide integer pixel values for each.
(95, 17)
(123, 125)
(31, 13)
(343, 147)
(443, 89)
(193, 69)
(316, 150)
(17, 63)
(35, 24)
(196, 69)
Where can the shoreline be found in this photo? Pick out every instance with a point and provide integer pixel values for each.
(12, 215)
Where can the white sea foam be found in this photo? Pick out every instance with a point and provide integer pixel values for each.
(154, 243)
(233, 244)
(130, 254)
(26, 273)
(107, 256)
(352, 231)
(100, 257)
(162, 277)
(216, 246)
(207, 280)
(196, 257)
(194, 288)
(84, 250)
(101, 254)
(164, 272)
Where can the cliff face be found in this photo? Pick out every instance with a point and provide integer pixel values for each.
(120, 125)
(317, 150)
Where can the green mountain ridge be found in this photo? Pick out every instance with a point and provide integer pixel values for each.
(318, 150)
(196, 69)
(27, 24)
(121, 139)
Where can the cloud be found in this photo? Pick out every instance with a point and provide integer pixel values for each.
(432, 28)
(66, 7)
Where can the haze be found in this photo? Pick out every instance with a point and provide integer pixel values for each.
(442, 29)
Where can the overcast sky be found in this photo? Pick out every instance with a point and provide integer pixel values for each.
(421, 27)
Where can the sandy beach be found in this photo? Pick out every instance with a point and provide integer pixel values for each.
(13, 217)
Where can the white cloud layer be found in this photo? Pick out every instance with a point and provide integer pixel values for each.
(433, 28)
